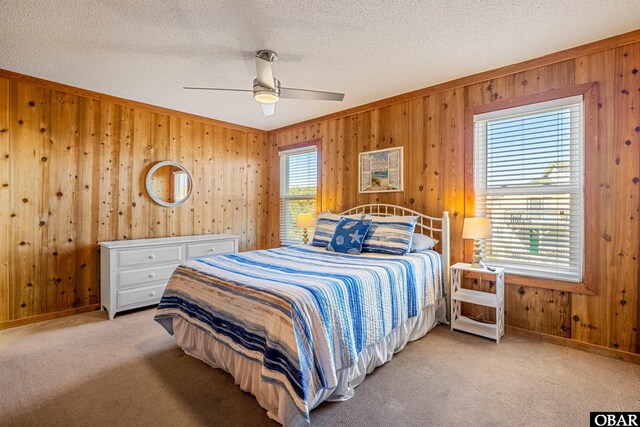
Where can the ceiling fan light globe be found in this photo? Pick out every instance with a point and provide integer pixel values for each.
(266, 97)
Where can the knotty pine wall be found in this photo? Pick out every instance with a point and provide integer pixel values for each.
(72, 172)
(431, 129)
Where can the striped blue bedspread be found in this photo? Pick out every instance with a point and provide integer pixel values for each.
(302, 312)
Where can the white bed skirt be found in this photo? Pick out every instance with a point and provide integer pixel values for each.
(273, 398)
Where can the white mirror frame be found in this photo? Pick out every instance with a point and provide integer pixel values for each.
(152, 194)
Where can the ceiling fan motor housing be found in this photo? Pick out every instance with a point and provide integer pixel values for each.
(266, 95)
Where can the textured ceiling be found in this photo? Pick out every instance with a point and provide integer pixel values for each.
(146, 50)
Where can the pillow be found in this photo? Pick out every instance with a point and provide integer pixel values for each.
(325, 227)
(420, 243)
(349, 236)
(390, 234)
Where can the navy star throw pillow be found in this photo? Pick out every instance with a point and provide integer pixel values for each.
(349, 236)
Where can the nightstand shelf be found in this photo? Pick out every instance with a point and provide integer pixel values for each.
(487, 299)
(475, 297)
(488, 330)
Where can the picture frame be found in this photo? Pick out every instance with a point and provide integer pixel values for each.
(381, 171)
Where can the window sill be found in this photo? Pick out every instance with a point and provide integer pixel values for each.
(556, 285)
(538, 282)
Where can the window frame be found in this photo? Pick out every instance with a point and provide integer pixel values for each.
(589, 93)
(497, 193)
(300, 146)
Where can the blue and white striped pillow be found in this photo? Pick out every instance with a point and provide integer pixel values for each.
(390, 235)
(326, 226)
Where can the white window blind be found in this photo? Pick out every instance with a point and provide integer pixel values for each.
(298, 191)
(528, 178)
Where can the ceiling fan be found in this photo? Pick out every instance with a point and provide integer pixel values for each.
(267, 90)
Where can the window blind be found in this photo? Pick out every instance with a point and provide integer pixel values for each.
(298, 191)
(528, 178)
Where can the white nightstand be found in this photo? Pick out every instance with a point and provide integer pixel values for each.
(487, 299)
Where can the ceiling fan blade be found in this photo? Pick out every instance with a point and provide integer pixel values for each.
(269, 109)
(287, 92)
(216, 88)
(264, 72)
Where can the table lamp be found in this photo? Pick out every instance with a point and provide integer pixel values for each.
(304, 221)
(477, 229)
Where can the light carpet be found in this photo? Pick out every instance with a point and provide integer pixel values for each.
(85, 370)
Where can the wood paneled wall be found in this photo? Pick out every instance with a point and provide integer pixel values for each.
(431, 129)
(72, 172)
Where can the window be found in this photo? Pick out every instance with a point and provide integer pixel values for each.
(298, 190)
(528, 178)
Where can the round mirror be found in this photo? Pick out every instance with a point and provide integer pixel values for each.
(169, 183)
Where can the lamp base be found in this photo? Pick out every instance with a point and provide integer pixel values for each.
(477, 255)
(305, 236)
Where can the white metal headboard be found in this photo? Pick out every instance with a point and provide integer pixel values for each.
(427, 225)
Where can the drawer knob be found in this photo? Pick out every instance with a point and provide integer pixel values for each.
(152, 256)
(212, 249)
(152, 294)
(152, 275)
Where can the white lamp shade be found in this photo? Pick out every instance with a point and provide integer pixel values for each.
(304, 221)
(476, 228)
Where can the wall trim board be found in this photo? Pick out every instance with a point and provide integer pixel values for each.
(48, 316)
(552, 58)
(589, 92)
(73, 90)
(577, 345)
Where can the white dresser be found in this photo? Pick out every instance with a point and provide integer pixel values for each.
(134, 273)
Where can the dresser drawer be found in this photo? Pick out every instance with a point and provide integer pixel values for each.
(201, 250)
(146, 295)
(145, 276)
(131, 257)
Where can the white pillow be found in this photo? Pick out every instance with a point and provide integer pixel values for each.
(421, 243)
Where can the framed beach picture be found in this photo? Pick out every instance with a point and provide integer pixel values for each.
(381, 170)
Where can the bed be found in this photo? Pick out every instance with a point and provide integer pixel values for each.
(299, 325)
